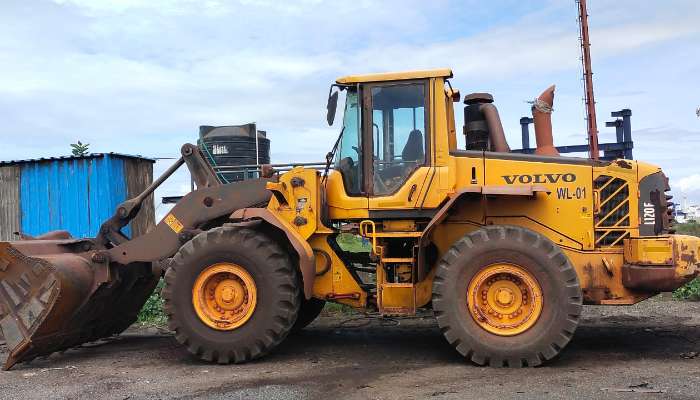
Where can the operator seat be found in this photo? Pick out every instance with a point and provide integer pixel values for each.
(391, 176)
(413, 150)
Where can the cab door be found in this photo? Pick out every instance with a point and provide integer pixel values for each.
(345, 188)
(396, 127)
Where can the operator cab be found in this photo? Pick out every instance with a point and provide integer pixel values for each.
(385, 117)
(398, 131)
(397, 142)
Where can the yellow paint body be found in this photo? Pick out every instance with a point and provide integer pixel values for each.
(591, 210)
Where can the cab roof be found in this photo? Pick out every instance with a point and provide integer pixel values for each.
(396, 76)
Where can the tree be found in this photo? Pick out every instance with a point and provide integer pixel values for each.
(79, 149)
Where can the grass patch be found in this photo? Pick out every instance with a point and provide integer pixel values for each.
(691, 291)
(353, 243)
(337, 308)
(692, 228)
(152, 311)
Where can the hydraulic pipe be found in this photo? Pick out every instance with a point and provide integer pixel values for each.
(125, 209)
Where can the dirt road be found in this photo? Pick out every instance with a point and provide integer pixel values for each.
(645, 351)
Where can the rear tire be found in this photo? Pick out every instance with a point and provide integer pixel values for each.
(276, 290)
(529, 254)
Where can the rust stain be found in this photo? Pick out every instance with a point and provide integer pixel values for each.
(689, 258)
(623, 164)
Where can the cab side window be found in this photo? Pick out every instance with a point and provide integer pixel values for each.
(348, 159)
(399, 127)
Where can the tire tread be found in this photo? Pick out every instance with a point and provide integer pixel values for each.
(283, 272)
(461, 340)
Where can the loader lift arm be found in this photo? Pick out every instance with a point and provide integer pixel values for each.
(202, 174)
(210, 201)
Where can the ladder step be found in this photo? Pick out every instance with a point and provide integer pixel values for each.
(398, 285)
(395, 234)
(397, 260)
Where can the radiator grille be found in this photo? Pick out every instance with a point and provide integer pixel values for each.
(612, 220)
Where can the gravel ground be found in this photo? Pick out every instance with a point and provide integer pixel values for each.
(650, 351)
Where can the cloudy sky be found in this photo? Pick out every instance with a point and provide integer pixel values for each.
(140, 76)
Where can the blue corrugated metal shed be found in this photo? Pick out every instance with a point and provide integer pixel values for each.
(68, 158)
(77, 193)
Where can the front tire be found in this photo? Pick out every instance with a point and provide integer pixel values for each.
(231, 295)
(506, 296)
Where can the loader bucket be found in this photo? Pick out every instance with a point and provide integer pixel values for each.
(53, 296)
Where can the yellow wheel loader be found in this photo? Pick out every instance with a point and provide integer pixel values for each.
(505, 248)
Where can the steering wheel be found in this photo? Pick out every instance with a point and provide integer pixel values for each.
(379, 183)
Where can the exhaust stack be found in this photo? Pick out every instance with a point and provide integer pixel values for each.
(542, 116)
(483, 129)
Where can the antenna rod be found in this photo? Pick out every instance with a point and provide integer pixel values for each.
(588, 80)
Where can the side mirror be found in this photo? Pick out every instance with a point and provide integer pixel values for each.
(331, 107)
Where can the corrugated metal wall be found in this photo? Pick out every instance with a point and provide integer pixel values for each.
(9, 202)
(75, 194)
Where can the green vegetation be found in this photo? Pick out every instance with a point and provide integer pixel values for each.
(152, 311)
(353, 243)
(79, 149)
(691, 291)
(692, 228)
(337, 308)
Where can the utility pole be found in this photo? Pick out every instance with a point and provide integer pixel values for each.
(588, 79)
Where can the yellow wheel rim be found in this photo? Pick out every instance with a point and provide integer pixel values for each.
(224, 296)
(504, 299)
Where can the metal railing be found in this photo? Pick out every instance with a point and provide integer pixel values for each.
(252, 171)
(621, 148)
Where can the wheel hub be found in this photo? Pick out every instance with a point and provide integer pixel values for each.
(504, 299)
(230, 294)
(224, 296)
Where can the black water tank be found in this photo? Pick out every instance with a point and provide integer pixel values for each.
(225, 146)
